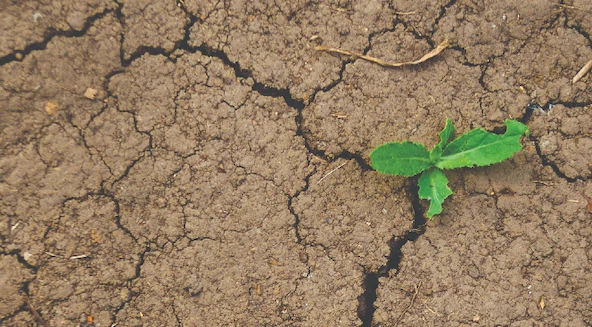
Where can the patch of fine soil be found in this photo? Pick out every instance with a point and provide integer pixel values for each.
(198, 163)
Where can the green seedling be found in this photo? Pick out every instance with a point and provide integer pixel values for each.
(474, 148)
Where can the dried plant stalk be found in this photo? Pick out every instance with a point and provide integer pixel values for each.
(582, 72)
(436, 51)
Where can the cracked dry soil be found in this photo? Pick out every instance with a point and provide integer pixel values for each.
(191, 188)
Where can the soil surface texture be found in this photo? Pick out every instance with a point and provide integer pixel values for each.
(199, 163)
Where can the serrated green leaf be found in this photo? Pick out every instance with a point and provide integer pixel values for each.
(481, 148)
(446, 136)
(433, 186)
(404, 158)
(447, 133)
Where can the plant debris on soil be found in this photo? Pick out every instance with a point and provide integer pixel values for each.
(380, 62)
(199, 163)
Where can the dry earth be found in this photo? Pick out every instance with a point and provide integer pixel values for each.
(197, 163)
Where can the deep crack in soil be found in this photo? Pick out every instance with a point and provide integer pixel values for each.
(20, 55)
(366, 307)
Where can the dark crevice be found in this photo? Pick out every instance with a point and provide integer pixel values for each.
(577, 28)
(582, 32)
(19, 55)
(23, 308)
(549, 163)
(482, 80)
(39, 314)
(366, 301)
(546, 108)
(121, 18)
(240, 72)
(258, 87)
(179, 323)
(527, 115)
(571, 104)
(132, 295)
(344, 64)
(442, 13)
(132, 165)
(354, 156)
(417, 35)
(321, 153)
(107, 82)
(25, 293)
(19, 257)
(291, 207)
(466, 62)
(118, 218)
(154, 51)
(278, 93)
(333, 84)
(379, 33)
(329, 157)
(140, 51)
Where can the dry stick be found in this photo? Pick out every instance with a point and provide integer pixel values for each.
(383, 63)
(332, 171)
(560, 5)
(35, 313)
(410, 304)
(404, 13)
(582, 72)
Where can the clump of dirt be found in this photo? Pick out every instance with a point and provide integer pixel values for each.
(564, 140)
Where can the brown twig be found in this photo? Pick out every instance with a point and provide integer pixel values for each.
(332, 171)
(35, 313)
(383, 63)
(410, 304)
(582, 72)
(566, 6)
(404, 13)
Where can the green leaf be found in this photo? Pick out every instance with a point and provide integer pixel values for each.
(404, 158)
(433, 186)
(481, 148)
(446, 136)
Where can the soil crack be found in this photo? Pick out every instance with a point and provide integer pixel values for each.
(26, 306)
(366, 301)
(544, 160)
(19, 55)
(21, 259)
(131, 294)
(293, 212)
